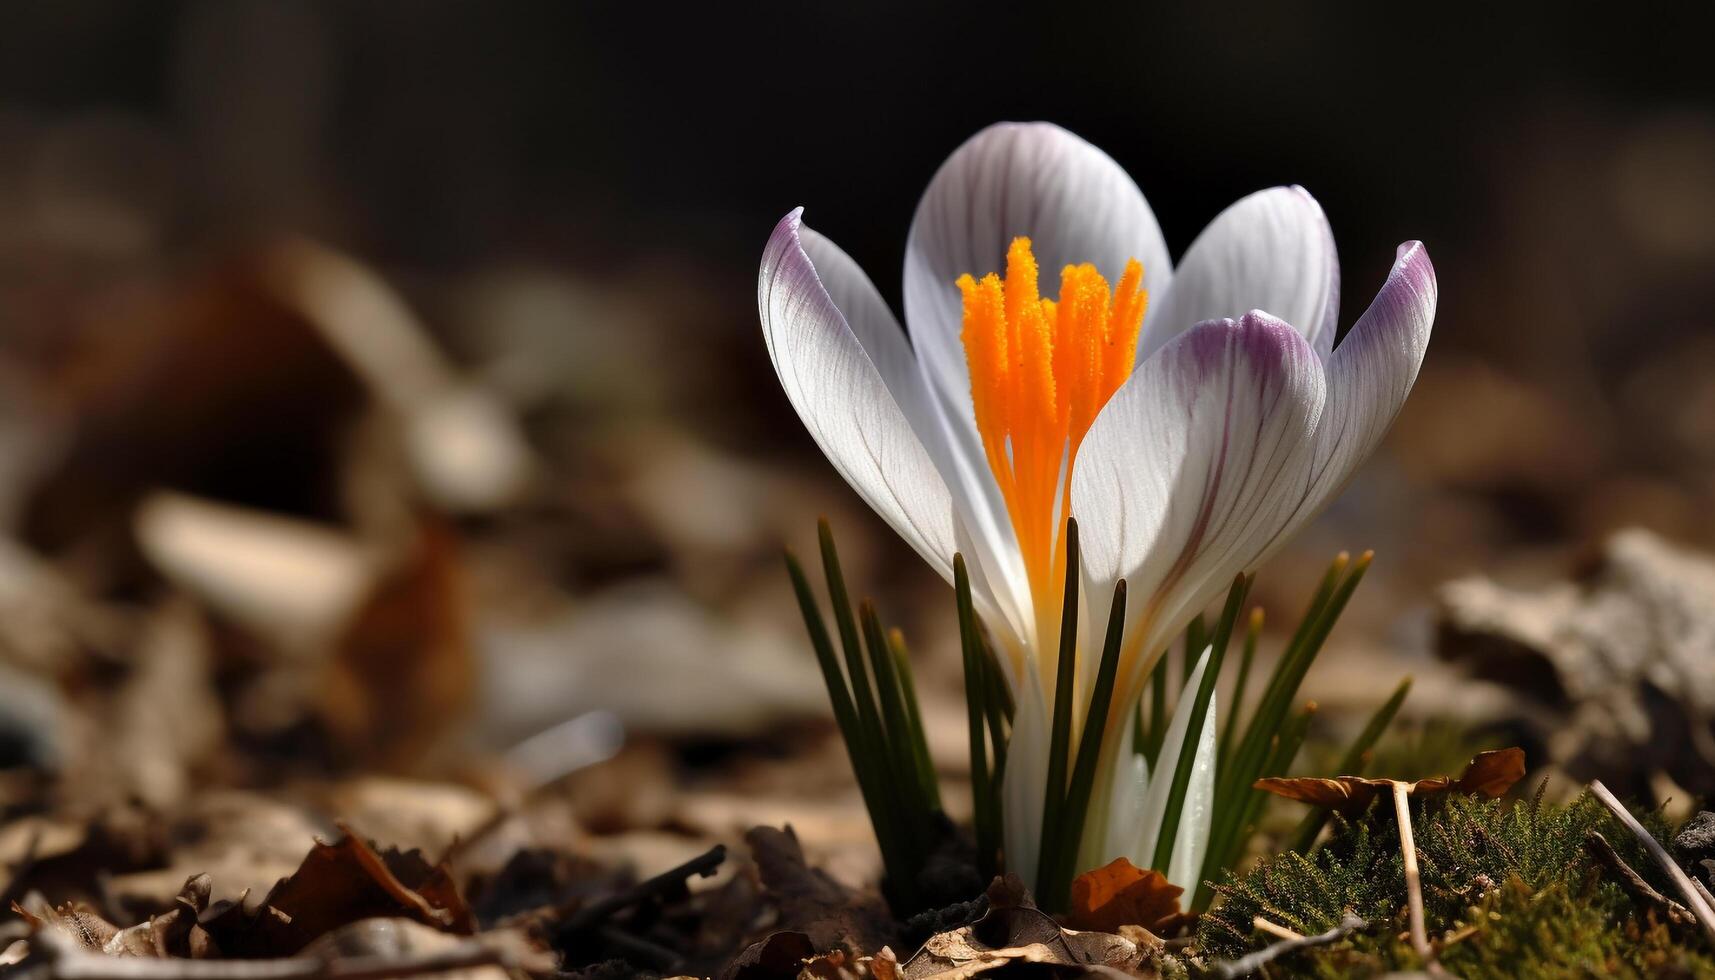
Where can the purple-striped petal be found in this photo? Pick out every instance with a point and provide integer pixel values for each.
(1191, 471)
(1270, 251)
(1370, 374)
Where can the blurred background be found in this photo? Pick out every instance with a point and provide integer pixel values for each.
(381, 385)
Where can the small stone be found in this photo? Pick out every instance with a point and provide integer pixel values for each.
(1695, 844)
(1608, 666)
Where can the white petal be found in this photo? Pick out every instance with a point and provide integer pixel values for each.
(1271, 251)
(1035, 179)
(1197, 814)
(1025, 780)
(1077, 205)
(1154, 808)
(999, 586)
(871, 322)
(1191, 471)
(837, 387)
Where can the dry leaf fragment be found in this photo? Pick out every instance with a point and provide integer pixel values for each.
(78, 926)
(1489, 774)
(1014, 933)
(75, 921)
(810, 900)
(464, 446)
(779, 956)
(402, 671)
(403, 941)
(1121, 894)
(288, 580)
(337, 884)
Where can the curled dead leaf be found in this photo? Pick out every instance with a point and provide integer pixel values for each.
(338, 884)
(1488, 774)
(1121, 894)
(78, 926)
(1491, 774)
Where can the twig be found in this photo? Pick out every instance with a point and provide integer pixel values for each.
(1277, 931)
(1693, 900)
(1633, 882)
(67, 964)
(639, 950)
(1413, 879)
(1708, 899)
(1252, 962)
(703, 865)
(1460, 936)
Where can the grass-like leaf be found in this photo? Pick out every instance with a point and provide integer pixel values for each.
(1056, 887)
(919, 742)
(1253, 635)
(984, 789)
(1060, 737)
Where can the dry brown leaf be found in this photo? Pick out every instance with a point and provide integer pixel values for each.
(206, 379)
(1014, 933)
(1488, 774)
(244, 841)
(337, 884)
(381, 940)
(403, 672)
(812, 902)
(779, 956)
(1121, 894)
(76, 921)
(79, 926)
(1491, 774)
(1344, 792)
(840, 965)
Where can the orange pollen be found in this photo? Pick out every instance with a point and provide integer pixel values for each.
(1040, 371)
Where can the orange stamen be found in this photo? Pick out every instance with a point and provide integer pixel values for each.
(1040, 371)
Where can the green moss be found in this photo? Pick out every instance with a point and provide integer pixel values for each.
(1511, 887)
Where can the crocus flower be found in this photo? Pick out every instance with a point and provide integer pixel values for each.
(1190, 417)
